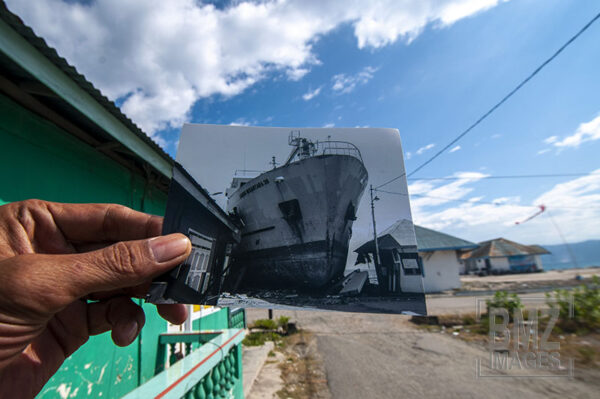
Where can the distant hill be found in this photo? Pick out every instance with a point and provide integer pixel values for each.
(587, 253)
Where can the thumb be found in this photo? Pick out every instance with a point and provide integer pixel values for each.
(128, 263)
(47, 283)
(39, 285)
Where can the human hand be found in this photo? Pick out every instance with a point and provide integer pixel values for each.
(53, 258)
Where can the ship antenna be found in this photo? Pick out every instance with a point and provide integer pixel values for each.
(273, 162)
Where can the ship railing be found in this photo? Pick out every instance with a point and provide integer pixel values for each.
(208, 364)
(247, 173)
(338, 148)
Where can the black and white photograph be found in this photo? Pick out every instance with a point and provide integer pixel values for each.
(287, 218)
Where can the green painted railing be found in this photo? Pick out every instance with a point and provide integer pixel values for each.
(211, 370)
(236, 317)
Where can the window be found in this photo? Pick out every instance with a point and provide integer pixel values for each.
(396, 256)
(199, 261)
(411, 266)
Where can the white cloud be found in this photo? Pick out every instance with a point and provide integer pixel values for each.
(453, 149)
(551, 139)
(475, 199)
(543, 151)
(240, 122)
(329, 125)
(344, 84)
(159, 57)
(311, 94)
(589, 131)
(573, 205)
(383, 22)
(430, 193)
(425, 148)
(496, 136)
(408, 155)
(297, 74)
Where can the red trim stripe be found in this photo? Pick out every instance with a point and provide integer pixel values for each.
(183, 377)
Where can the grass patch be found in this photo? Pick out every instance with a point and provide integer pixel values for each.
(258, 338)
(265, 324)
(578, 336)
(264, 330)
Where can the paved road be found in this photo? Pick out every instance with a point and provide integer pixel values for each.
(385, 356)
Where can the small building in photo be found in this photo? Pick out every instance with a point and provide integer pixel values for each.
(499, 256)
(440, 254)
(433, 262)
(399, 269)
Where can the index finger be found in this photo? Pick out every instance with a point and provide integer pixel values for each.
(103, 222)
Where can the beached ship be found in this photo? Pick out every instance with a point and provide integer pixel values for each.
(297, 218)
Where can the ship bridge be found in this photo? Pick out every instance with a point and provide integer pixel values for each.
(305, 148)
(338, 148)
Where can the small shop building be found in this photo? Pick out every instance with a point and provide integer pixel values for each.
(415, 258)
(399, 269)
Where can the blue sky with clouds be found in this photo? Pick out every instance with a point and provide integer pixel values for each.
(427, 68)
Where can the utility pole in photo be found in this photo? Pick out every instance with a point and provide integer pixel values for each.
(376, 257)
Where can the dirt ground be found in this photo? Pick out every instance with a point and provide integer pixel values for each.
(529, 281)
(566, 274)
(386, 356)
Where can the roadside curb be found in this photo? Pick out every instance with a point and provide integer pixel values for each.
(253, 359)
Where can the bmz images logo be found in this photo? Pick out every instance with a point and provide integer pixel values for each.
(520, 342)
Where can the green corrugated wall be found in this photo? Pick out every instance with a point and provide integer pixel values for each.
(39, 160)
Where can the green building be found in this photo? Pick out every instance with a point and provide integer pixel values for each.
(62, 140)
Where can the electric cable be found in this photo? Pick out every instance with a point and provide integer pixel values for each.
(498, 104)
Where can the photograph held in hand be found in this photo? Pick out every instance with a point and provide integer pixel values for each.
(294, 230)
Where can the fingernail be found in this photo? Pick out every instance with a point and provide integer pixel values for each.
(165, 248)
(130, 331)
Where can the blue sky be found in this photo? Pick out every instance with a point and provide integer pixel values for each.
(427, 68)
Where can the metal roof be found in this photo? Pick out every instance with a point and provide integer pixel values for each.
(430, 240)
(427, 240)
(402, 232)
(501, 247)
(14, 22)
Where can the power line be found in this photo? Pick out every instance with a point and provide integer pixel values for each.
(471, 201)
(505, 176)
(390, 181)
(497, 105)
(452, 199)
(535, 72)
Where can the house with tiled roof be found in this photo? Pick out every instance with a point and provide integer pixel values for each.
(500, 256)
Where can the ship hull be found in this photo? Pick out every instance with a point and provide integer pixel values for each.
(298, 222)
